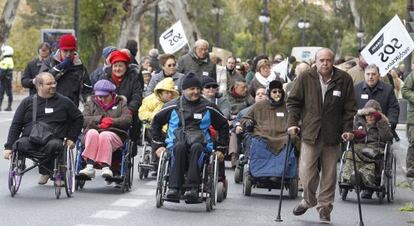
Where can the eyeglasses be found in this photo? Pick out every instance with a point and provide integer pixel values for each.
(170, 65)
(277, 91)
(49, 83)
(210, 86)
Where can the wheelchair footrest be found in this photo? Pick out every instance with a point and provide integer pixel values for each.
(194, 201)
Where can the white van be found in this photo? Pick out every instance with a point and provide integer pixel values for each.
(305, 53)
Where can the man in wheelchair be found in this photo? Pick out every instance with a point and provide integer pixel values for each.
(372, 131)
(188, 140)
(59, 116)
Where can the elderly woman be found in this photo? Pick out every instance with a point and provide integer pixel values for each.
(107, 119)
(169, 69)
(262, 77)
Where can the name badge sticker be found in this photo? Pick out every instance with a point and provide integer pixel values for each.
(114, 107)
(205, 73)
(337, 93)
(364, 96)
(48, 110)
(198, 116)
(280, 114)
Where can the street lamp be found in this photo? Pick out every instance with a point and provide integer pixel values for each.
(303, 25)
(360, 35)
(264, 18)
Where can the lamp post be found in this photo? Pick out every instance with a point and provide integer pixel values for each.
(360, 35)
(264, 18)
(303, 25)
(217, 11)
(156, 27)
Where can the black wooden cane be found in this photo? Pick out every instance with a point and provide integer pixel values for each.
(357, 185)
(288, 146)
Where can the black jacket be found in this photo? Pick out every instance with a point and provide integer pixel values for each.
(130, 87)
(198, 115)
(30, 72)
(384, 94)
(72, 82)
(65, 119)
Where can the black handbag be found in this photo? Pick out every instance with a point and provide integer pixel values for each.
(41, 132)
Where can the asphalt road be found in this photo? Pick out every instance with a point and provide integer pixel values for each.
(98, 204)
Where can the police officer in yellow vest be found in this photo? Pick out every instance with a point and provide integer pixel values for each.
(6, 75)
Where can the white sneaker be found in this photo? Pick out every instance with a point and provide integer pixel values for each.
(106, 172)
(88, 171)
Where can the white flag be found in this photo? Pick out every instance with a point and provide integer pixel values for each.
(281, 70)
(173, 39)
(389, 47)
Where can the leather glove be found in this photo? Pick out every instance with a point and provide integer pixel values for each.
(376, 115)
(249, 125)
(65, 64)
(105, 123)
(359, 134)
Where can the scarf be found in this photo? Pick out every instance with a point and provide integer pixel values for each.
(265, 81)
(117, 80)
(104, 106)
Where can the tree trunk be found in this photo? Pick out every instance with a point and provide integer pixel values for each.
(7, 18)
(358, 21)
(130, 24)
(181, 11)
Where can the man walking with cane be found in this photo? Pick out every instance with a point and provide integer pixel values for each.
(323, 100)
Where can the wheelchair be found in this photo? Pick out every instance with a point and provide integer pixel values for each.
(146, 163)
(208, 186)
(385, 168)
(63, 173)
(263, 169)
(122, 167)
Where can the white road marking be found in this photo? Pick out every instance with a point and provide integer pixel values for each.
(109, 214)
(90, 225)
(6, 120)
(144, 192)
(151, 183)
(129, 202)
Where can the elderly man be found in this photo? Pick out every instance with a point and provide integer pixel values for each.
(323, 100)
(373, 88)
(53, 109)
(198, 115)
(198, 61)
(69, 72)
(229, 77)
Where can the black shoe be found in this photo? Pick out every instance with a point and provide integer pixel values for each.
(366, 194)
(8, 109)
(191, 194)
(410, 173)
(173, 193)
(300, 209)
(324, 217)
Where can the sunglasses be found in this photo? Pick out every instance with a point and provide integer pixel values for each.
(210, 86)
(277, 91)
(170, 65)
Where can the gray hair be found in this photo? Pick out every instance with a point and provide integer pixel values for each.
(372, 66)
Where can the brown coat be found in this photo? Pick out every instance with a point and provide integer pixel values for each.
(327, 120)
(270, 123)
(120, 114)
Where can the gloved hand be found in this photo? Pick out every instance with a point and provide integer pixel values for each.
(359, 134)
(220, 156)
(65, 64)
(376, 115)
(105, 123)
(249, 125)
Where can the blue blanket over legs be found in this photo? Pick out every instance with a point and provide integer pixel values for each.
(263, 163)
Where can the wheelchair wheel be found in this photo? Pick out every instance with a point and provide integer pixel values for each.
(220, 191)
(161, 180)
(14, 180)
(238, 174)
(247, 183)
(226, 187)
(209, 204)
(131, 172)
(69, 178)
(293, 188)
(213, 187)
(390, 180)
(126, 185)
(344, 193)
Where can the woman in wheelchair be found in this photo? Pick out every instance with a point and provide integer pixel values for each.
(107, 119)
(267, 120)
(164, 92)
(372, 131)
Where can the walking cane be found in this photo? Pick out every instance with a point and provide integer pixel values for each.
(357, 185)
(288, 147)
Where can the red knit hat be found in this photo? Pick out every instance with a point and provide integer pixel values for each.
(67, 42)
(118, 55)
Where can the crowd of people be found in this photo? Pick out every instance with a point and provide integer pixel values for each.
(194, 105)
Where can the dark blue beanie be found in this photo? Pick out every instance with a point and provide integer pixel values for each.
(190, 80)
